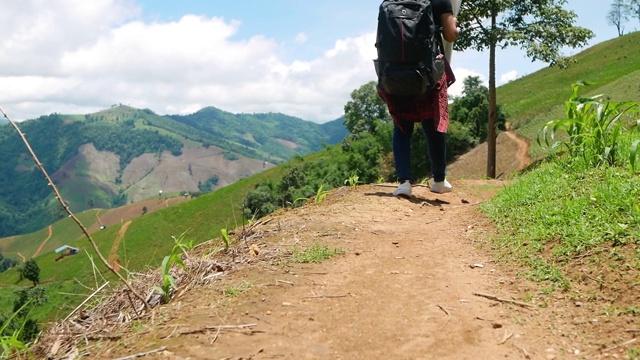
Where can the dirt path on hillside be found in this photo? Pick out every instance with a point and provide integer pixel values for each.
(417, 280)
(44, 242)
(410, 285)
(113, 254)
(24, 259)
(523, 149)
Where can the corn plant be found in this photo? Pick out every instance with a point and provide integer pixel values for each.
(321, 194)
(593, 127)
(11, 344)
(225, 238)
(168, 281)
(353, 180)
(633, 153)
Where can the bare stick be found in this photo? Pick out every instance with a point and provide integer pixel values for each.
(621, 345)
(284, 282)
(524, 351)
(85, 301)
(446, 312)
(509, 301)
(68, 210)
(506, 337)
(215, 338)
(217, 328)
(134, 356)
(133, 306)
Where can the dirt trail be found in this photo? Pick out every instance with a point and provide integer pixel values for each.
(113, 254)
(523, 149)
(24, 259)
(44, 242)
(405, 289)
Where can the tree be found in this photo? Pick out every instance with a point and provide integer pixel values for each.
(541, 27)
(634, 8)
(472, 108)
(26, 300)
(619, 14)
(29, 298)
(366, 110)
(31, 271)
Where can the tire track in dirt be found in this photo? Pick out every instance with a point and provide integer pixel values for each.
(44, 242)
(113, 254)
(523, 152)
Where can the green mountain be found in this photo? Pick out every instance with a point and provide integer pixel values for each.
(124, 155)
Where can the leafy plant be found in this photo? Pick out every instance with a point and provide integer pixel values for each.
(225, 238)
(168, 281)
(593, 128)
(10, 342)
(633, 155)
(321, 194)
(353, 180)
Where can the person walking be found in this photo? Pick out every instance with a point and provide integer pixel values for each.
(431, 110)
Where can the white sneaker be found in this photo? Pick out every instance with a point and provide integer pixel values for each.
(441, 187)
(404, 189)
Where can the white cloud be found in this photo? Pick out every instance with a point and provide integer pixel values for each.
(74, 58)
(509, 76)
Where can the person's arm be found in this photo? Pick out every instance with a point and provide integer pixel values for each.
(449, 27)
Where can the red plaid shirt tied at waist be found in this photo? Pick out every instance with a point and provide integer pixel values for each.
(433, 105)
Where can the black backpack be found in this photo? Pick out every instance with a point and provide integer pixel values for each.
(410, 50)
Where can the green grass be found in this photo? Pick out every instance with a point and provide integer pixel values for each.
(533, 100)
(578, 204)
(147, 241)
(317, 253)
(235, 290)
(64, 232)
(560, 211)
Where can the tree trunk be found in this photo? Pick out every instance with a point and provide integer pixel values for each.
(493, 114)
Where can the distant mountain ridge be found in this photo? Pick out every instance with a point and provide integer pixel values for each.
(122, 155)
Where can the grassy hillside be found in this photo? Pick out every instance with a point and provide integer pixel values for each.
(123, 155)
(612, 66)
(147, 240)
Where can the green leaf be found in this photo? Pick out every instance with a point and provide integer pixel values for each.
(634, 155)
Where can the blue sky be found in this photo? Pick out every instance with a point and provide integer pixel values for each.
(326, 21)
(302, 58)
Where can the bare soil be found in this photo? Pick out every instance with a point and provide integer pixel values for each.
(417, 280)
